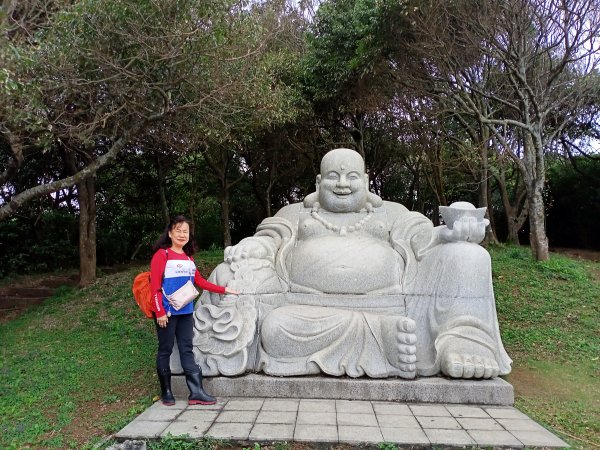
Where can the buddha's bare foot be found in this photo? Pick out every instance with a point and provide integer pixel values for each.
(461, 358)
(400, 341)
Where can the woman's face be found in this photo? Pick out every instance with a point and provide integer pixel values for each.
(180, 234)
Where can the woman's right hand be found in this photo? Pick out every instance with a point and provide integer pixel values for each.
(162, 321)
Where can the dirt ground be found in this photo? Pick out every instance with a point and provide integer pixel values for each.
(592, 255)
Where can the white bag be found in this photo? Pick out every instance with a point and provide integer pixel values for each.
(182, 296)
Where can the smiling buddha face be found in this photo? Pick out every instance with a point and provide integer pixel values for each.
(342, 184)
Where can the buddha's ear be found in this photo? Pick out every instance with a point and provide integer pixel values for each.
(311, 199)
(318, 181)
(366, 178)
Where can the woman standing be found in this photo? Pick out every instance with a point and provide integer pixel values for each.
(171, 267)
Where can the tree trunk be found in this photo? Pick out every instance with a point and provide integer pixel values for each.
(438, 178)
(220, 170)
(436, 216)
(357, 133)
(536, 178)
(86, 198)
(490, 235)
(225, 214)
(537, 223)
(268, 209)
(514, 221)
(87, 231)
(512, 226)
(515, 214)
(410, 197)
(15, 160)
(164, 207)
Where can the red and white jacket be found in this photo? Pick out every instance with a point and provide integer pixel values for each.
(169, 271)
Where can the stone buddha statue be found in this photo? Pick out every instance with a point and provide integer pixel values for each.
(345, 283)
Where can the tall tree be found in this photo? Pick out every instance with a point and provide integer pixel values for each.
(268, 99)
(347, 75)
(104, 71)
(528, 60)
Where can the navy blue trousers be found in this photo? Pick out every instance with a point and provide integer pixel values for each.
(180, 327)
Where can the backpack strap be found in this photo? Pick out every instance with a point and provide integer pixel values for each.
(161, 283)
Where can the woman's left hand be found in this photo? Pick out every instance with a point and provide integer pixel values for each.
(162, 321)
(228, 290)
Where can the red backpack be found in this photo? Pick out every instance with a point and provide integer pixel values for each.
(143, 293)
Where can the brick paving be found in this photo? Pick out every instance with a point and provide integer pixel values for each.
(344, 421)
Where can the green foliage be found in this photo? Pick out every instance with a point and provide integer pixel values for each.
(182, 443)
(573, 206)
(21, 102)
(38, 244)
(256, 446)
(348, 38)
(173, 443)
(178, 443)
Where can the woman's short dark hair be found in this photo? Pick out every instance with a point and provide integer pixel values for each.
(164, 241)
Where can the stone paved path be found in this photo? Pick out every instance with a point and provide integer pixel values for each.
(344, 421)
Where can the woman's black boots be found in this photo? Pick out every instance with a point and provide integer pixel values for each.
(166, 396)
(198, 395)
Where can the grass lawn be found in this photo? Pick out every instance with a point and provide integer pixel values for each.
(81, 366)
(549, 317)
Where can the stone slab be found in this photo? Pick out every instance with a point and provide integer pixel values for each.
(411, 436)
(143, 429)
(422, 390)
(194, 430)
(272, 432)
(492, 438)
(319, 433)
(449, 437)
(276, 417)
(356, 434)
(230, 430)
(539, 439)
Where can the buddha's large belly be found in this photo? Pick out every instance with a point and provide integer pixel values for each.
(351, 264)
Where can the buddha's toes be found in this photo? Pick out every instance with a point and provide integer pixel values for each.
(400, 343)
(466, 359)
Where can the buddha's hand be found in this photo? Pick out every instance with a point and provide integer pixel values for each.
(465, 229)
(246, 249)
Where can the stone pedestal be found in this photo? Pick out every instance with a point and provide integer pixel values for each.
(423, 390)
